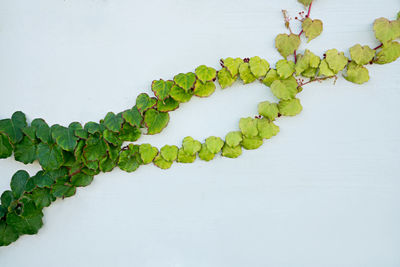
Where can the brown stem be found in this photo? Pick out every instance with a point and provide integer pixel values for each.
(317, 80)
(379, 46)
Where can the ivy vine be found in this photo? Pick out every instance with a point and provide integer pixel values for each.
(70, 156)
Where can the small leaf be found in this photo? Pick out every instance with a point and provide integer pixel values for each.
(129, 133)
(13, 127)
(185, 80)
(107, 164)
(161, 88)
(113, 122)
(214, 144)
(50, 156)
(30, 132)
(42, 197)
(356, 73)
(144, 102)
(25, 151)
(324, 69)
(129, 160)
(205, 154)
(30, 220)
(305, 2)
(81, 179)
(251, 142)
(95, 149)
(190, 146)
(183, 157)
(92, 127)
(147, 153)
(64, 137)
(271, 76)
(306, 62)
(245, 73)
(248, 126)
(205, 73)
(312, 28)
(112, 137)
(232, 65)
(386, 30)
(361, 54)
(155, 121)
(7, 197)
(287, 44)
(169, 153)
(180, 95)
(133, 117)
(336, 60)
(43, 179)
(225, 78)
(5, 146)
(266, 129)
(389, 53)
(259, 67)
(204, 89)
(268, 110)
(285, 89)
(290, 107)
(63, 190)
(285, 68)
(233, 139)
(168, 104)
(7, 234)
(231, 152)
(161, 163)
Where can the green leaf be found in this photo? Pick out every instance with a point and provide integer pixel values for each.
(214, 144)
(356, 73)
(81, 179)
(336, 60)
(185, 80)
(93, 127)
(305, 2)
(129, 133)
(144, 102)
(259, 67)
(112, 137)
(95, 149)
(324, 69)
(13, 127)
(113, 122)
(285, 89)
(205, 73)
(129, 159)
(362, 54)
(389, 53)
(63, 190)
(232, 65)
(30, 220)
(168, 104)
(287, 44)
(285, 68)
(7, 234)
(155, 121)
(147, 153)
(233, 139)
(312, 28)
(161, 88)
(231, 152)
(133, 117)
(266, 129)
(169, 153)
(25, 151)
(43, 179)
(18, 183)
(50, 156)
(271, 76)
(7, 197)
(5, 146)
(107, 164)
(204, 89)
(161, 163)
(30, 132)
(180, 95)
(306, 62)
(251, 142)
(42, 197)
(290, 107)
(42, 130)
(183, 157)
(205, 154)
(268, 110)
(245, 73)
(190, 146)
(225, 78)
(64, 137)
(248, 126)
(386, 30)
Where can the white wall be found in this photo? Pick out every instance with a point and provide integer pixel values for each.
(324, 192)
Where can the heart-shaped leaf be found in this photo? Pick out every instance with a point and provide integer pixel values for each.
(161, 89)
(144, 102)
(13, 127)
(185, 80)
(205, 73)
(287, 44)
(361, 54)
(155, 121)
(312, 28)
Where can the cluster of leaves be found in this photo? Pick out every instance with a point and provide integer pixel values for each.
(71, 156)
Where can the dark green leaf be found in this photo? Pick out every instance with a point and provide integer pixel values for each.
(42, 130)
(155, 121)
(18, 183)
(5, 146)
(144, 102)
(64, 137)
(133, 117)
(113, 122)
(25, 151)
(81, 179)
(50, 156)
(13, 127)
